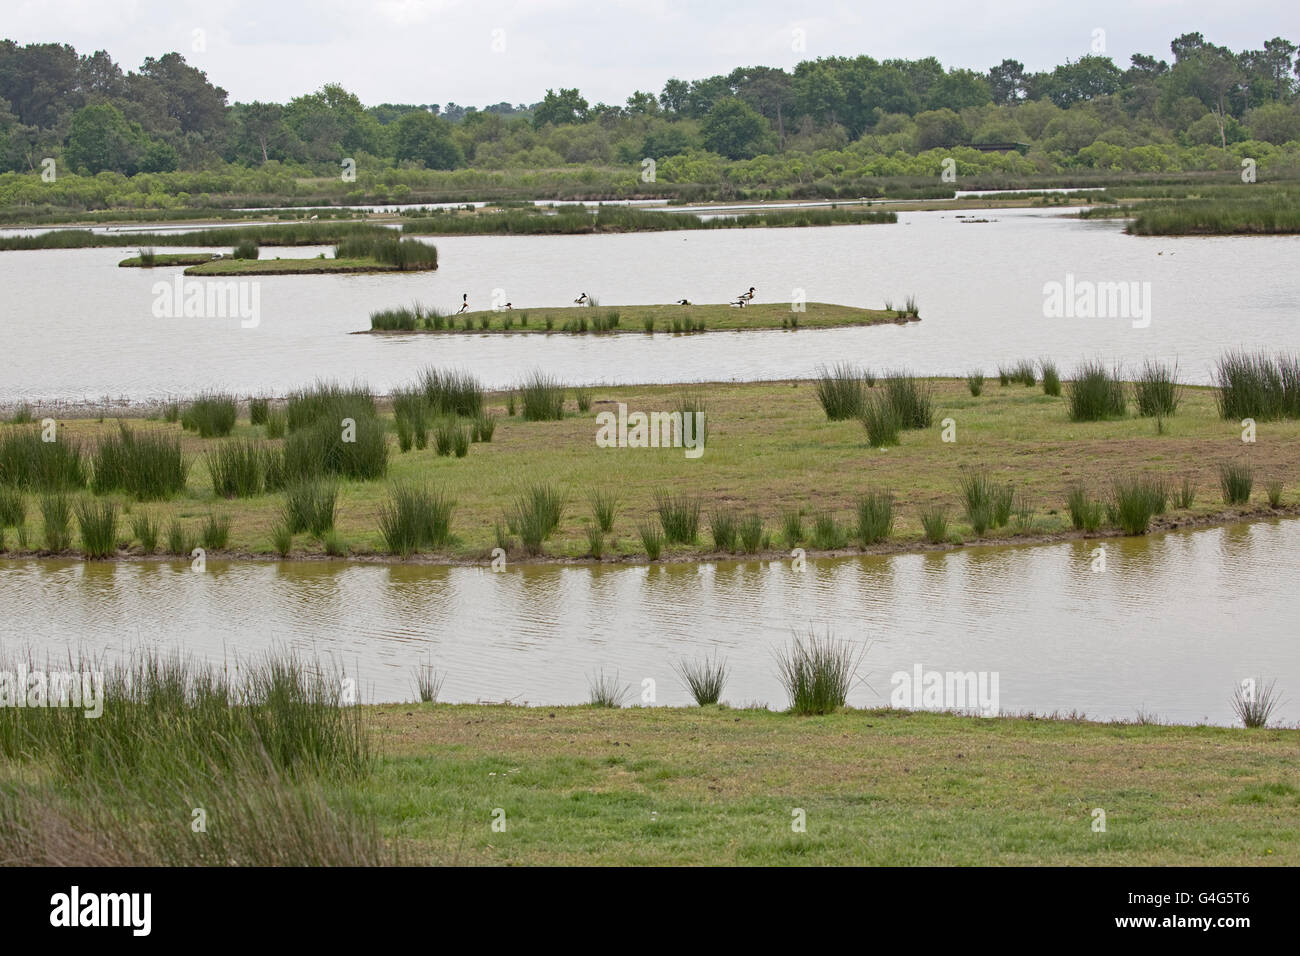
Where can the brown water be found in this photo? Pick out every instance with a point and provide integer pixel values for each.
(1168, 628)
(75, 326)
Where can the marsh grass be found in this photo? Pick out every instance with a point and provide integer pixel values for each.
(97, 521)
(875, 518)
(606, 691)
(679, 516)
(704, 677)
(29, 463)
(13, 507)
(827, 533)
(1258, 385)
(1156, 390)
(817, 672)
(277, 424)
(911, 398)
(792, 526)
(604, 507)
(212, 415)
(321, 449)
(652, 539)
(1096, 393)
(180, 540)
(1134, 499)
(536, 513)
(415, 517)
(258, 409)
(881, 420)
(841, 390)
(1085, 513)
(391, 250)
(428, 683)
(975, 382)
(1255, 710)
(452, 392)
(483, 427)
(238, 468)
(144, 528)
(1273, 488)
(1236, 480)
(1186, 494)
(147, 466)
(722, 525)
(214, 532)
(309, 507)
(245, 249)
(934, 522)
(1024, 372)
(56, 520)
(582, 396)
(541, 397)
(595, 541)
(1051, 377)
(753, 536)
(984, 501)
(692, 404)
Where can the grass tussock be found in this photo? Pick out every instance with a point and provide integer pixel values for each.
(817, 672)
(536, 514)
(875, 518)
(30, 463)
(212, 415)
(541, 397)
(679, 516)
(414, 518)
(1156, 390)
(147, 466)
(704, 677)
(841, 390)
(1258, 385)
(1236, 479)
(97, 521)
(1096, 393)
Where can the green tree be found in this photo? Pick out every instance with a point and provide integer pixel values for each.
(423, 137)
(733, 129)
(566, 106)
(99, 139)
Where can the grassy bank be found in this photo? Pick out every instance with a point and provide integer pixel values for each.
(774, 466)
(633, 318)
(290, 234)
(150, 260)
(273, 762)
(291, 267)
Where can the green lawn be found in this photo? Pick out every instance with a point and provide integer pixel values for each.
(674, 786)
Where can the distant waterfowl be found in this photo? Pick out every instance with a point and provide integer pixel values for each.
(747, 296)
(682, 301)
(508, 307)
(582, 300)
(464, 303)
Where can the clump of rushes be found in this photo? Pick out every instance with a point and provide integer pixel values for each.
(282, 539)
(27, 462)
(980, 497)
(536, 514)
(841, 391)
(1004, 376)
(606, 691)
(875, 518)
(323, 448)
(1254, 710)
(604, 505)
(146, 465)
(648, 324)
(541, 398)
(679, 515)
(460, 441)
(704, 678)
(444, 436)
(212, 415)
(1156, 390)
(144, 528)
(415, 518)
(827, 533)
(1236, 480)
(722, 525)
(56, 517)
(171, 413)
(1051, 377)
(245, 249)
(483, 427)
(310, 507)
(934, 522)
(911, 398)
(595, 541)
(583, 397)
(975, 382)
(1186, 494)
(1133, 503)
(792, 526)
(510, 404)
(752, 535)
(695, 419)
(238, 468)
(277, 424)
(817, 673)
(1274, 491)
(97, 521)
(1096, 393)
(1001, 504)
(332, 543)
(258, 409)
(23, 415)
(881, 420)
(1085, 512)
(13, 507)
(428, 683)
(452, 392)
(328, 400)
(147, 256)
(214, 533)
(179, 539)
(651, 539)
(1025, 373)
(1258, 385)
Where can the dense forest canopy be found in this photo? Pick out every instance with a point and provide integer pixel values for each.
(93, 117)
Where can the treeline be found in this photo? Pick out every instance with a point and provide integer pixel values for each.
(840, 117)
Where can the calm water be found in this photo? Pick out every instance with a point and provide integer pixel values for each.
(77, 327)
(1169, 627)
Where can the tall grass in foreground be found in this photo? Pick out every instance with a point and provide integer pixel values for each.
(97, 521)
(144, 528)
(679, 515)
(722, 525)
(1258, 385)
(1254, 708)
(1096, 393)
(817, 672)
(451, 392)
(13, 507)
(1236, 479)
(239, 468)
(827, 533)
(328, 400)
(541, 397)
(704, 678)
(212, 415)
(323, 448)
(606, 691)
(147, 466)
(985, 502)
(251, 743)
(652, 540)
(415, 517)
(536, 514)
(1273, 488)
(841, 390)
(1156, 390)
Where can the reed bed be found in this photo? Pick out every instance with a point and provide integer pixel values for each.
(147, 466)
(29, 463)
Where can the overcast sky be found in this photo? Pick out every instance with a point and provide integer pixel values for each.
(441, 51)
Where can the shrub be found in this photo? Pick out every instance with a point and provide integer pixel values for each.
(1096, 393)
(817, 673)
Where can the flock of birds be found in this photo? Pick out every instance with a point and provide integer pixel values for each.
(738, 302)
